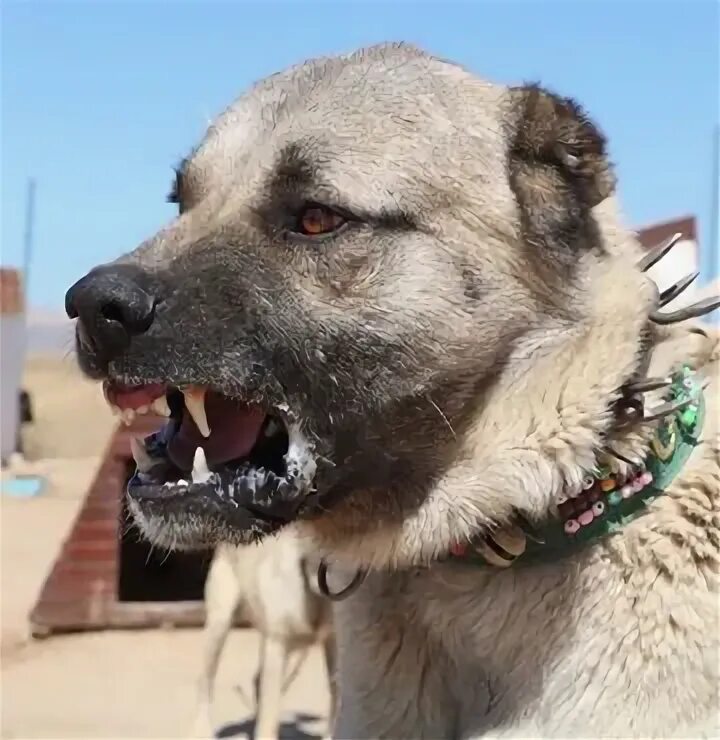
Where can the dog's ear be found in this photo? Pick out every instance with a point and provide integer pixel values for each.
(558, 165)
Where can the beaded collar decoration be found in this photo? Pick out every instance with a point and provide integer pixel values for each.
(606, 502)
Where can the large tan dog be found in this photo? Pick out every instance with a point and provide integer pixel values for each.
(273, 584)
(403, 314)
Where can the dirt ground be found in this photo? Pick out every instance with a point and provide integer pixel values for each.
(116, 684)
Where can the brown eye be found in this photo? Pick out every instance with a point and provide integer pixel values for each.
(316, 220)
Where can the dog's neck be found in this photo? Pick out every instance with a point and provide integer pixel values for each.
(615, 493)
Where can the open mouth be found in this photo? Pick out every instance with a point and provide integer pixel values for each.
(241, 465)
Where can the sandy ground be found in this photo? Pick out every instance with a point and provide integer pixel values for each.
(134, 684)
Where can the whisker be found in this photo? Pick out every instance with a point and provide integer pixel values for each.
(442, 416)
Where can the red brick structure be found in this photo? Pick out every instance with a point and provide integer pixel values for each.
(12, 349)
(104, 575)
(11, 293)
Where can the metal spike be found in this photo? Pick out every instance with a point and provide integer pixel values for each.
(674, 290)
(659, 412)
(646, 385)
(627, 460)
(689, 312)
(657, 253)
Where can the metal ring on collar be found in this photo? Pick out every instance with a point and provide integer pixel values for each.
(358, 578)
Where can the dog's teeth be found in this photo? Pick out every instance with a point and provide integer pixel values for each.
(128, 416)
(143, 461)
(116, 410)
(142, 409)
(160, 406)
(200, 471)
(195, 404)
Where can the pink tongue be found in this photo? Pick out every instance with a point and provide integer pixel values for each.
(234, 429)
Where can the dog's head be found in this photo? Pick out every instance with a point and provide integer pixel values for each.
(389, 282)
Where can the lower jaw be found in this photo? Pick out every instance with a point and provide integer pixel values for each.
(202, 515)
(196, 524)
(237, 504)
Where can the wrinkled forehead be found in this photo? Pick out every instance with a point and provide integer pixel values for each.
(384, 117)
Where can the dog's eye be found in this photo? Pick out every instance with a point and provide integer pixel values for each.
(316, 220)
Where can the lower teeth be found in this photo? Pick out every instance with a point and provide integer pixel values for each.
(200, 472)
(154, 467)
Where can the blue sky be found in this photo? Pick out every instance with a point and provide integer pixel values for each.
(100, 99)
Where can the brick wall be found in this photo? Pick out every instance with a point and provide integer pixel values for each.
(81, 590)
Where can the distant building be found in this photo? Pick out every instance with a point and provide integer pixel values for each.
(12, 354)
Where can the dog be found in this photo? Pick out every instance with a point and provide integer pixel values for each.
(273, 584)
(400, 313)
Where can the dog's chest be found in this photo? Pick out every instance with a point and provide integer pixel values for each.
(564, 648)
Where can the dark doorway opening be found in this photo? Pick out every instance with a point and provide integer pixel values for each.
(150, 574)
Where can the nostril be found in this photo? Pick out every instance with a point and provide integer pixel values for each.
(113, 312)
(135, 313)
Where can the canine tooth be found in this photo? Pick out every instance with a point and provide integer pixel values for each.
(160, 406)
(195, 404)
(128, 416)
(116, 410)
(200, 471)
(142, 409)
(143, 461)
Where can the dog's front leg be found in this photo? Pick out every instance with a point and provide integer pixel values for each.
(222, 596)
(270, 688)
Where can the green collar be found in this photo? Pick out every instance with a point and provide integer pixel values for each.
(606, 502)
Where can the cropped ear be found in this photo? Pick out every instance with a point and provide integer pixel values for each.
(558, 166)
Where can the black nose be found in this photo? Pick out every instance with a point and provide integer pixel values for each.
(112, 306)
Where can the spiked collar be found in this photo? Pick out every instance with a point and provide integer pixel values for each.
(606, 502)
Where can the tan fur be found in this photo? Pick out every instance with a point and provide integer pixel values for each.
(273, 586)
